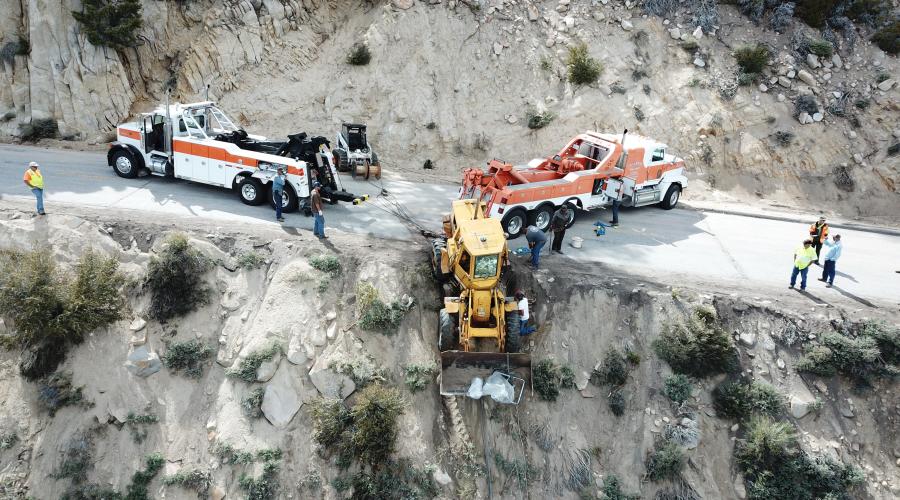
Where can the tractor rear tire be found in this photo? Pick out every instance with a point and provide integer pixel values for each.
(252, 192)
(514, 223)
(673, 194)
(125, 164)
(448, 336)
(341, 160)
(513, 329)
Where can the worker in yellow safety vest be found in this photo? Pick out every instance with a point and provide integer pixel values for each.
(803, 257)
(35, 181)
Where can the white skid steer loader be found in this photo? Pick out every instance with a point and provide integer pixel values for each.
(354, 154)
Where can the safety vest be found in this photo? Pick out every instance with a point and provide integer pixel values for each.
(34, 178)
(805, 257)
(819, 232)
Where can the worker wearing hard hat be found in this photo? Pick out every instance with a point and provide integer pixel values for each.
(818, 233)
(35, 182)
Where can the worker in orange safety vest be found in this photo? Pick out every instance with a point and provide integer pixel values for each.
(818, 233)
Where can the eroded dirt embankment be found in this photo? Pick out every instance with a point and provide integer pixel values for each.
(538, 449)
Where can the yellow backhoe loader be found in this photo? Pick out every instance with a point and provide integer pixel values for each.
(479, 324)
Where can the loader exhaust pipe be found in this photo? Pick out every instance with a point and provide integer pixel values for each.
(620, 164)
(207, 93)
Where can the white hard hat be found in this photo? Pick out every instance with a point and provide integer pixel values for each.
(33, 164)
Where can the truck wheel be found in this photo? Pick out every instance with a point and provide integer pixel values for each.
(572, 211)
(448, 336)
(341, 161)
(289, 201)
(673, 194)
(513, 328)
(251, 191)
(540, 217)
(514, 222)
(124, 164)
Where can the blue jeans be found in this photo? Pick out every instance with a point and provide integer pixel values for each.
(524, 329)
(802, 272)
(536, 253)
(277, 196)
(319, 226)
(829, 271)
(39, 194)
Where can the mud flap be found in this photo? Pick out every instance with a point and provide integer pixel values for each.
(459, 368)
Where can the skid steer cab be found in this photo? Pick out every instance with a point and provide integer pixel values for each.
(198, 142)
(354, 154)
(479, 325)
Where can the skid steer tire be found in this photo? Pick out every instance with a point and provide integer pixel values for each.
(448, 337)
(513, 328)
(341, 161)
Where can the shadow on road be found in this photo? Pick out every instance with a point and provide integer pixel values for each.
(857, 298)
(814, 298)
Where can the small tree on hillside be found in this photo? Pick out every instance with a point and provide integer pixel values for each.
(110, 23)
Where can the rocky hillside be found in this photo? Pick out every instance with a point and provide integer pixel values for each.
(265, 388)
(456, 82)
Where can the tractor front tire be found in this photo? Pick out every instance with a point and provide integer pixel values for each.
(251, 191)
(125, 164)
(448, 336)
(513, 329)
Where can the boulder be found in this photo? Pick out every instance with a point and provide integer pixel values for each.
(533, 13)
(581, 380)
(784, 82)
(699, 62)
(698, 33)
(812, 61)
(817, 117)
(887, 84)
(626, 25)
(498, 48)
(799, 407)
(281, 401)
(330, 383)
(296, 352)
(137, 324)
(402, 4)
(217, 493)
(806, 77)
(804, 118)
(800, 399)
(748, 339)
(837, 62)
(675, 33)
(267, 369)
(441, 477)
(142, 362)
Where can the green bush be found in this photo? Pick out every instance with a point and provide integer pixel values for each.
(859, 358)
(44, 128)
(137, 490)
(392, 479)
(77, 459)
(678, 388)
(379, 317)
(359, 55)
(187, 357)
(582, 68)
(264, 487)
(774, 466)
(516, 470)
(246, 369)
(666, 461)
(699, 347)
(57, 391)
(8, 440)
(175, 279)
(739, 400)
(252, 404)
(538, 120)
(752, 59)
(250, 260)
(193, 479)
(888, 38)
(137, 425)
(367, 432)
(815, 12)
(49, 308)
(230, 454)
(548, 378)
(612, 489)
(418, 376)
(110, 23)
(612, 371)
(820, 47)
(617, 402)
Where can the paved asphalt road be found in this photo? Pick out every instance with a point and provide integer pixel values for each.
(669, 246)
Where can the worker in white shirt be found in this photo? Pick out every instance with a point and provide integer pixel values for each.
(522, 301)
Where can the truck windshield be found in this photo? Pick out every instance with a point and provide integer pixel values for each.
(486, 266)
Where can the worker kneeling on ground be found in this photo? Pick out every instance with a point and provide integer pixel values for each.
(522, 301)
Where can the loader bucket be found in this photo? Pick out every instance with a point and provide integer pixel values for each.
(459, 368)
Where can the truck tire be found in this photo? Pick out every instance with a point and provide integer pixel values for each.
(572, 211)
(448, 336)
(251, 191)
(513, 328)
(514, 222)
(289, 201)
(673, 194)
(341, 161)
(540, 217)
(124, 164)
(437, 245)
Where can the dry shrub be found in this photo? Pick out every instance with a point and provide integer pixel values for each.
(752, 59)
(699, 346)
(187, 357)
(359, 55)
(740, 400)
(888, 38)
(38, 129)
(859, 358)
(665, 461)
